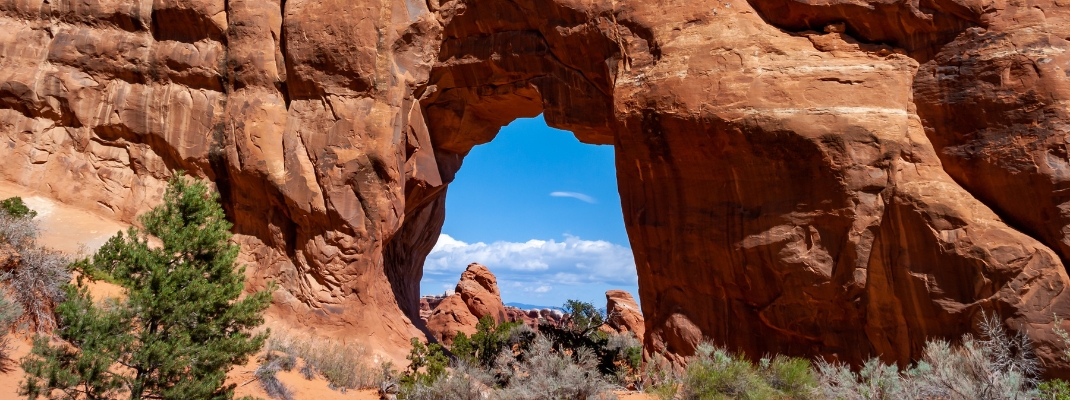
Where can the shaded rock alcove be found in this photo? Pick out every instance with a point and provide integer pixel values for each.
(837, 179)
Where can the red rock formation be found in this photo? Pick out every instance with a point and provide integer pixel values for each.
(513, 314)
(805, 177)
(475, 297)
(479, 290)
(428, 304)
(451, 316)
(623, 314)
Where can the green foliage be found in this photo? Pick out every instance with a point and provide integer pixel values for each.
(792, 376)
(1057, 389)
(996, 366)
(463, 382)
(580, 331)
(16, 208)
(426, 364)
(717, 374)
(659, 378)
(542, 372)
(483, 347)
(182, 325)
(583, 317)
(10, 312)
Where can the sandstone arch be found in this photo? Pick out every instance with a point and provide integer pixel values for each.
(781, 187)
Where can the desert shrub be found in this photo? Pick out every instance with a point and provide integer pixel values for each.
(489, 340)
(715, 374)
(794, 377)
(1063, 336)
(426, 364)
(10, 312)
(545, 373)
(998, 366)
(34, 276)
(1057, 389)
(627, 355)
(875, 380)
(627, 348)
(36, 284)
(270, 365)
(308, 371)
(580, 330)
(461, 383)
(18, 232)
(14, 207)
(659, 378)
(343, 365)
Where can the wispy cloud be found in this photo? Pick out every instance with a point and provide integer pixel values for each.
(575, 195)
(536, 266)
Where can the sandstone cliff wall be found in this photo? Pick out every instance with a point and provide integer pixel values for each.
(844, 178)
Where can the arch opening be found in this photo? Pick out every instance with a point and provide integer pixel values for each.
(542, 211)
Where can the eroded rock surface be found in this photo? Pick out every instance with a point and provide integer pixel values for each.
(623, 314)
(475, 297)
(836, 178)
(450, 317)
(478, 288)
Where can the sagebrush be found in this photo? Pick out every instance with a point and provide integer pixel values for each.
(33, 276)
(343, 365)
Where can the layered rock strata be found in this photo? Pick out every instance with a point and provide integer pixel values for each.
(835, 178)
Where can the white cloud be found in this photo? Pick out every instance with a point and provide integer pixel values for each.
(536, 264)
(575, 195)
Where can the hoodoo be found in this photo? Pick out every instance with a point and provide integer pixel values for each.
(836, 178)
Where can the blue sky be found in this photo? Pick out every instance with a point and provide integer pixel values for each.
(541, 210)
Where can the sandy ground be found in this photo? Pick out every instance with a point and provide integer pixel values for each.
(315, 389)
(9, 381)
(63, 227)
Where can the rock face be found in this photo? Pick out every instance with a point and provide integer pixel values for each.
(623, 314)
(451, 316)
(836, 178)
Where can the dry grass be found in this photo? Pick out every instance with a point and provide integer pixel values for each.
(345, 366)
(270, 365)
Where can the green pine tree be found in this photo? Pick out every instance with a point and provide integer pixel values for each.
(181, 326)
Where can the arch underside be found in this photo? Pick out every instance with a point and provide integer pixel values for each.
(790, 184)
